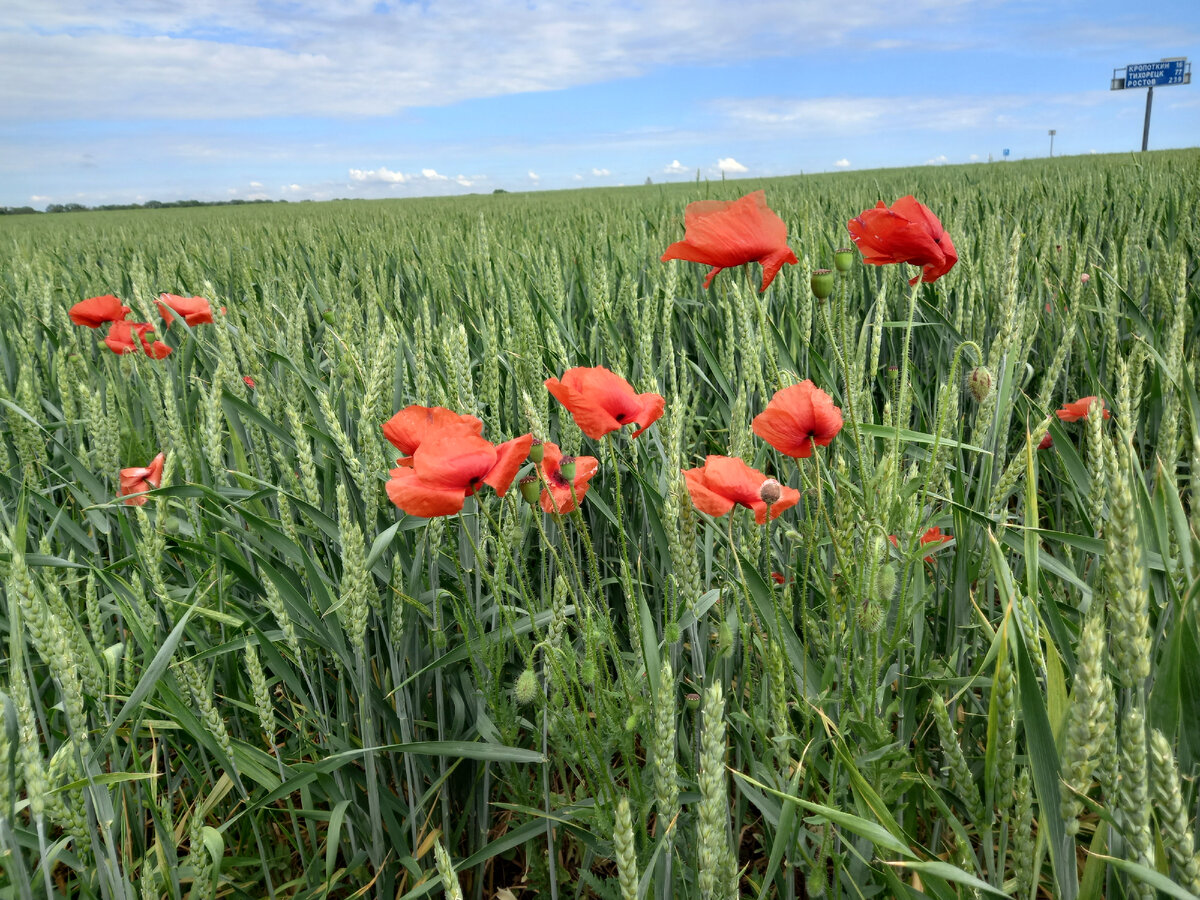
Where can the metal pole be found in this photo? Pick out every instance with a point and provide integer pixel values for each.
(1146, 127)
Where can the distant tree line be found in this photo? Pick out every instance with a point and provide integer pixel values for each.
(149, 204)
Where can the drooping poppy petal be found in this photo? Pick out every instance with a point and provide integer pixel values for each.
(798, 417)
(1078, 409)
(407, 428)
(129, 337)
(95, 311)
(137, 479)
(510, 456)
(560, 495)
(725, 234)
(195, 310)
(724, 481)
(417, 498)
(907, 232)
(934, 536)
(602, 401)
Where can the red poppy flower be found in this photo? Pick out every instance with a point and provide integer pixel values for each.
(932, 536)
(561, 495)
(249, 381)
(1073, 412)
(407, 428)
(797, 418)
(1047, 442)
(724, 234)
(778, 578)
(95, 311)
(908, 232)
(451, 464)
(725, 481)
(120, 339)
(139, 479)
(195, 310)
(602, 401)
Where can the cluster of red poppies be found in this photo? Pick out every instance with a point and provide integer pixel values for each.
(130, 337)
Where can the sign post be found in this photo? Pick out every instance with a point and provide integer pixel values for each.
(1174, 70)
(1052, 134)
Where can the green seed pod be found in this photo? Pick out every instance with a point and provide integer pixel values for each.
(530, 488)
(537, 451)
(822, 284)
(843, 259)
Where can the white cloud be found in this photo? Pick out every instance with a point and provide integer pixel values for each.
(601, 172)
(256, 184)
(676, 168)
(463, 180)
(38, 198)
(729, 164)
(937, 160)
(843, 163)
(974, 157)
(578, 177)
(432, 175)
(291, 188)
(382, 175)
(243, 58)
(534, 176)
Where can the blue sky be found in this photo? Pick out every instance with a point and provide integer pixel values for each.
(104, 101)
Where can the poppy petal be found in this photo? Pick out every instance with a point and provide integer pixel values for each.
(407, 428)
(510, 456)
(454, 459)
(591, 417)
(415, 497)
(95, 311)
(705, 499)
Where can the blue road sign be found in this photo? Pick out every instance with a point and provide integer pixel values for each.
(1140, 75)
(1006, 151)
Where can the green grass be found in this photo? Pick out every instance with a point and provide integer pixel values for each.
(188, 710)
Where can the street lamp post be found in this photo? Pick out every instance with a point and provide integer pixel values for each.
(1053, 132)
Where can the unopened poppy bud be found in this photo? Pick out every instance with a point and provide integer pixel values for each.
(843, 259)
(530, 488)
(671, 633)
(885, 583)
(1046, 442)
(822, 284)
(631, 722)
(770, 492)
(527, 688)
(327, 315)
(979, 383)
(724, 637)
(1085, 278)
(567, 468)
(537, 451)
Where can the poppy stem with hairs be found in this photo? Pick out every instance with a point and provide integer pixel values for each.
(589, 549)
(626, 578)
(840, 351)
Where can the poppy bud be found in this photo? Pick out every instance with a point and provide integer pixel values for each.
(1046, 442)
(724, 638)
(843, 259)
(770, 491)
(327, 315)
(1085, 278)
(885, 583)
(822, 284)
(527, 688)
(567, 467)
(529, 488)
(631, 723)
(671, 633)
(979, 383)
(536, 451)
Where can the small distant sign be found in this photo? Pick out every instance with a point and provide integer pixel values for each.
(1006, 151)
(1153, 74)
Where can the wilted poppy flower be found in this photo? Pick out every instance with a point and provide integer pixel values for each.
(195, 310)
(139, 479)
(602, 401)
(725, 481)
(95, 311)
(407, 428)
(249, 381)
(908, 232)
(797, 418)
(561, 494)
(723, 234)
(451, 464)
(120, 339)
(1073, 412)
